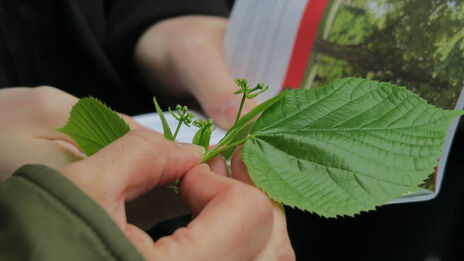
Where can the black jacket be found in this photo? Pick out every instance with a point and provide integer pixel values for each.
(85, 47)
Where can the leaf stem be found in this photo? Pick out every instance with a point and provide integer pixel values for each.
(210, 154)
(240, 109)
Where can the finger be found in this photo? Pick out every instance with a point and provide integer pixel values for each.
(279, 246)
(233, 219)
(133, 165)
(52, 107)
(33, 151)
(214, 90)
(133, 124)
(68, 143)
(211, 83)
(239, 169)
(218, 165)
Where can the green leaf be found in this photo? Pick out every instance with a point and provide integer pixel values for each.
(345, 148)
(166, 129)
(92, 125)
(202, 137)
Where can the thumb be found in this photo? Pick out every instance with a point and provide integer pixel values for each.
(132, 165)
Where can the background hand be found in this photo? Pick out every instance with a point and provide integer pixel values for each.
(185, 53)
(233, 220)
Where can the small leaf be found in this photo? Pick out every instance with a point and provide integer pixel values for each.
(164, 122)
(345, 148)
(197, 138)
(92, 125)
(205, 138)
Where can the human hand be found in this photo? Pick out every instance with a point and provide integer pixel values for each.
(278, 246)
(233, 220)
(185, 53)
(29, 118)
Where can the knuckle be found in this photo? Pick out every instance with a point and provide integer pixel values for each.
(47, 94)
(52, 101)
(148, 142)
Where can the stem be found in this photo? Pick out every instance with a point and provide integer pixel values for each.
(240, 109)
(210, 154)
(223, 141)
(178, 128)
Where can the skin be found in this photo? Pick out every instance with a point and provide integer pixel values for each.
(175, 51)
(233, 220)
(185, 54)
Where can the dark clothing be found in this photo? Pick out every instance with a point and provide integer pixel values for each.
(85, 47)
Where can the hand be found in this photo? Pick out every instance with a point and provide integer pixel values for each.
(29, 117)
(233, 221)
(185, 53)
(278, 246)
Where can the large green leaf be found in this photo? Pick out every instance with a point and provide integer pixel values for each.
(345, 148)
(92, 125)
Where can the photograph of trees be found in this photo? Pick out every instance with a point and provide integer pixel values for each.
(414, 43)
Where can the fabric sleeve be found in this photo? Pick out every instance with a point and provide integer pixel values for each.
(128, 19)
(44, 216)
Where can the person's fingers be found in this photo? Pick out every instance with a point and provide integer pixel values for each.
(51, 107)
(132, 165)
(218, 165)
(231, 218)
(279, 246)
(212, 84)
(134, 125)
(238, 167)
(189, 57)
(34, 151)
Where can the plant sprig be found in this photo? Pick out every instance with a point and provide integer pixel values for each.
(248, 93)
(335, 150)
(183, 117)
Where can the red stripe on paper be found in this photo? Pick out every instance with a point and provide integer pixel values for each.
(304, 43)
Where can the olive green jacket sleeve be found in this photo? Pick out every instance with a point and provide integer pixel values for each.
(44, 216)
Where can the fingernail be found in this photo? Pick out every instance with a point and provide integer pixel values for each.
(188, 146)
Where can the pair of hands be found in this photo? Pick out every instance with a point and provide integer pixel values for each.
(233, 220)
(232, 217)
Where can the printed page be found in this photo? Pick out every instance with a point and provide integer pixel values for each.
(259, 40)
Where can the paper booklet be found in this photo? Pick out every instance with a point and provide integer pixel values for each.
(309, 43)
